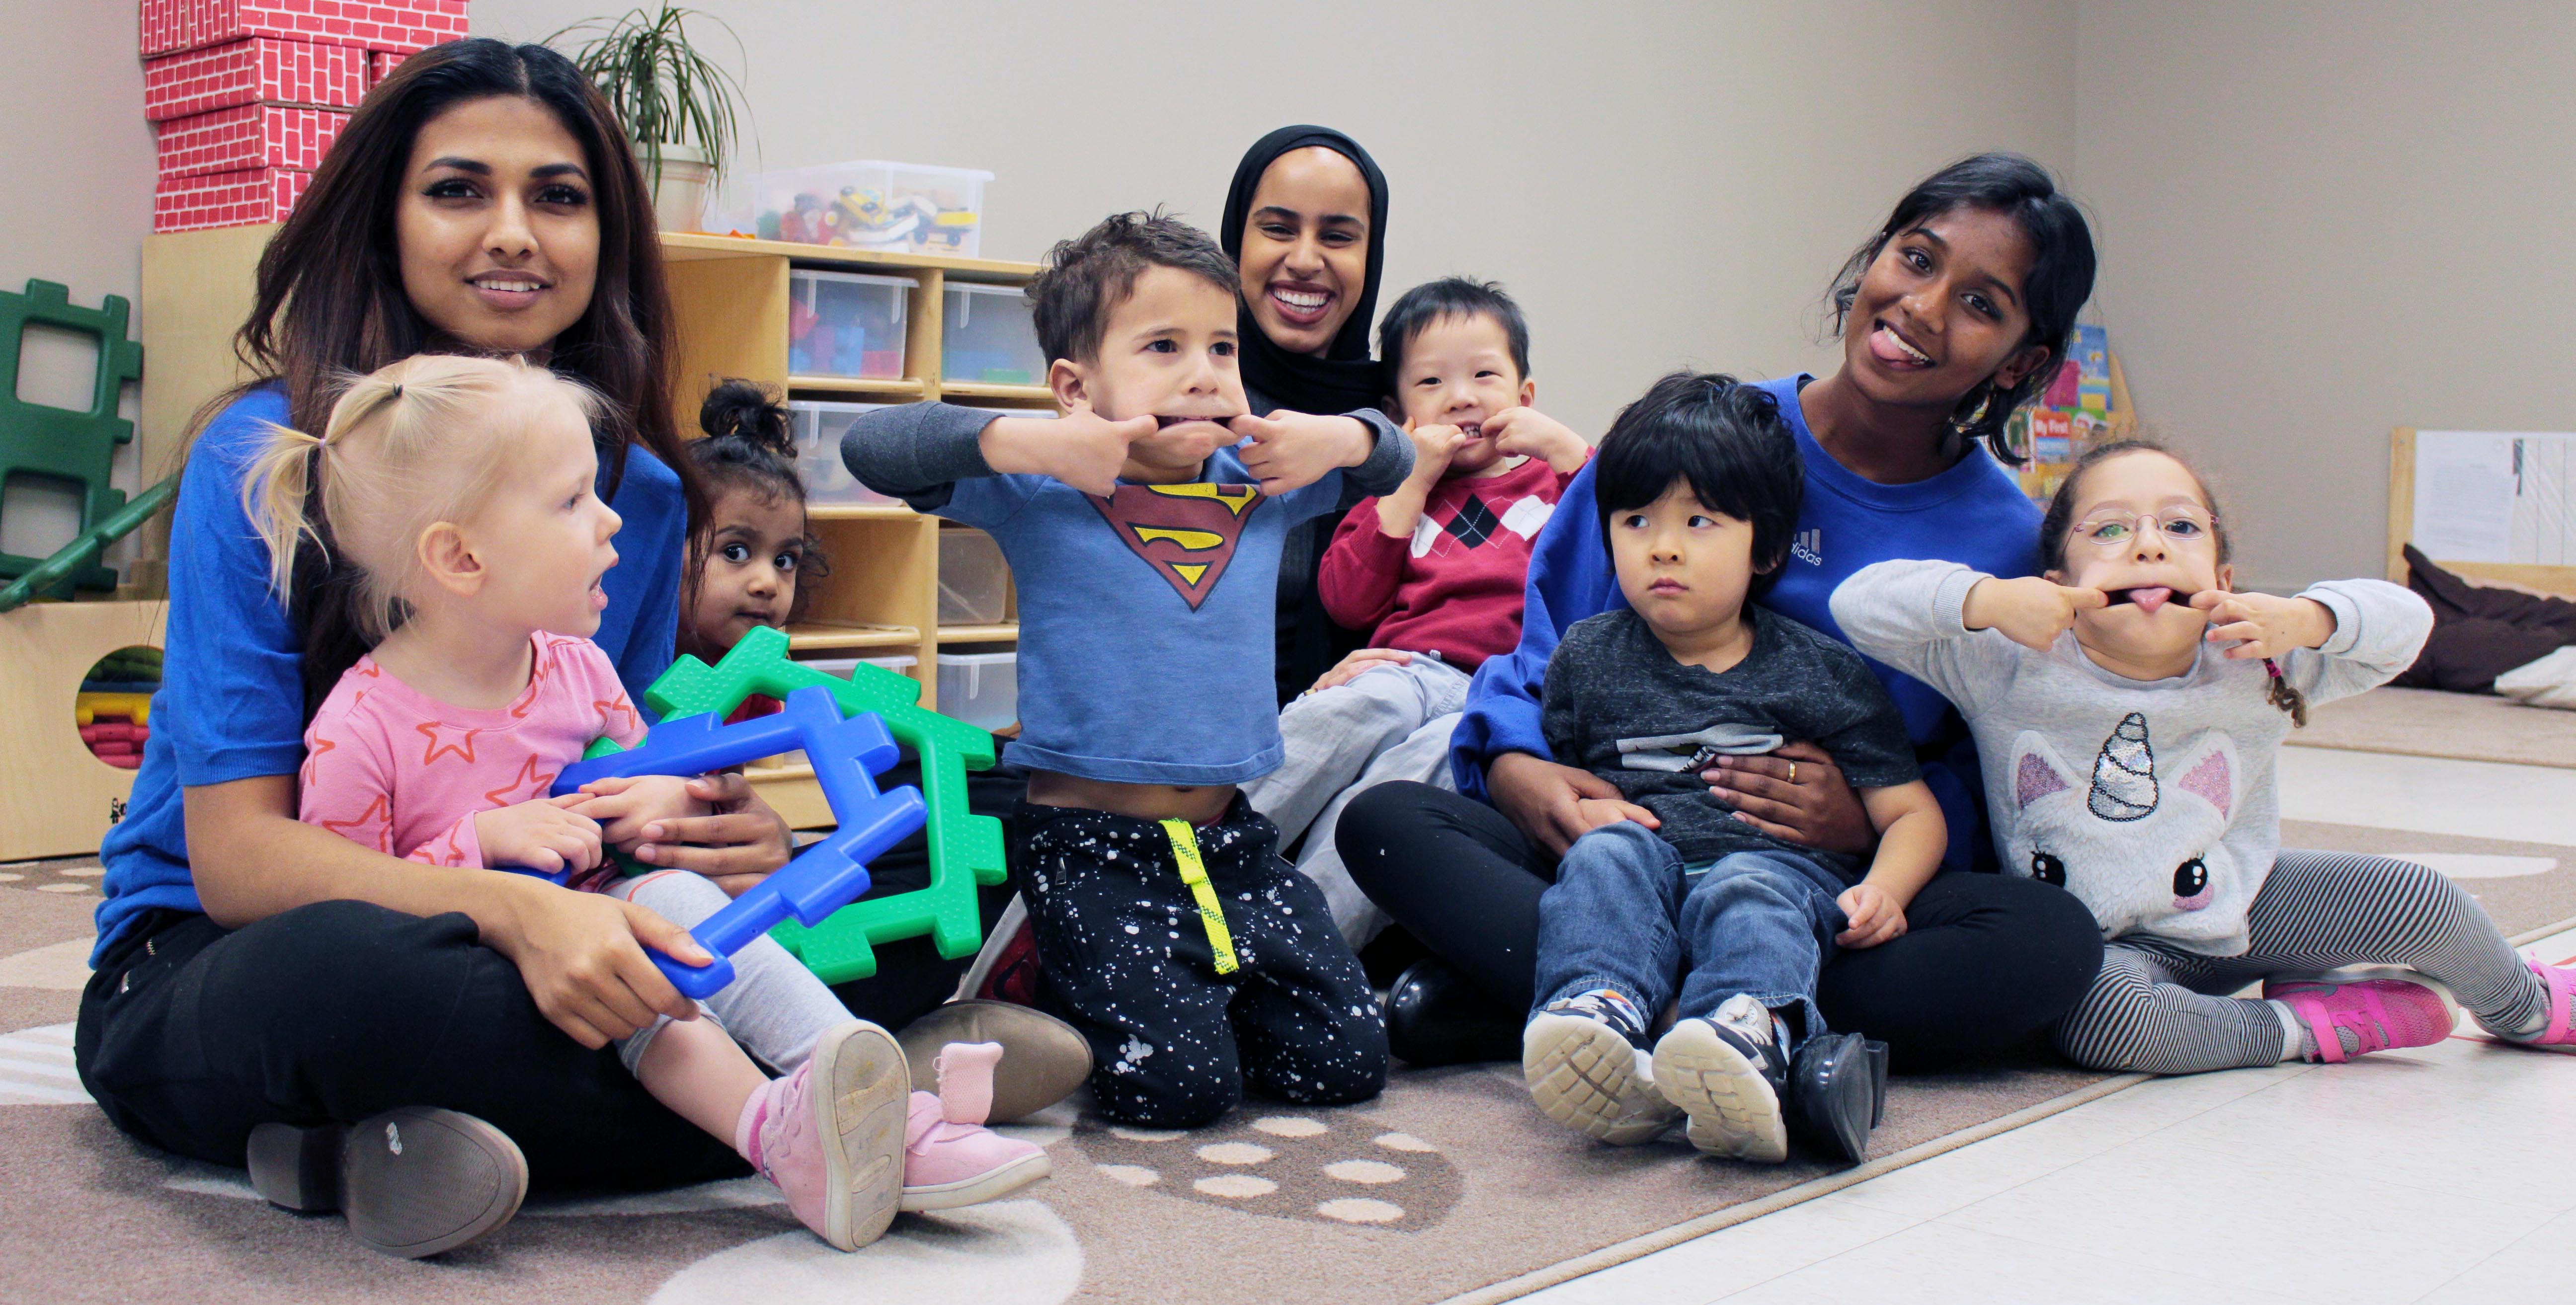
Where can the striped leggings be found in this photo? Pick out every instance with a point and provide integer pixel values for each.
(2160, 1010)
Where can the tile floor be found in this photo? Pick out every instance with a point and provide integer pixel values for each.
(2435, 1175)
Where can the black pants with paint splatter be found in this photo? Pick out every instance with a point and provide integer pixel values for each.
(1129, 962)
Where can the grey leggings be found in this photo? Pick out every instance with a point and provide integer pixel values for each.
(2157, 1009)
(775, 1007)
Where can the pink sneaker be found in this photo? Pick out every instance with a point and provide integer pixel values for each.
(2556, 1035)
(2382, 1013)
(949, 1158)
(829, 1136)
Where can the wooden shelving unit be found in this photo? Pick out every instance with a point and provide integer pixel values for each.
(730, 298)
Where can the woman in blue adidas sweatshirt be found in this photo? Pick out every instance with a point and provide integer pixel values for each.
(1954, 314)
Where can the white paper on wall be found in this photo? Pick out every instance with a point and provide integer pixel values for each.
(2486, 496)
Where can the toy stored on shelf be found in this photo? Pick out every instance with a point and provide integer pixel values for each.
(965, 848)
(876, 206)
(847, 752)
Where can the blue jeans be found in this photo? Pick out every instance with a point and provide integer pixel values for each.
(1623, 915)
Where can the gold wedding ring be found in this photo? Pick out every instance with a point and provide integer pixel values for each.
(1793, 772)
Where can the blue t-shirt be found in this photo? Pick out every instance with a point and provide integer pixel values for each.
(1974, 513)
(1145, 620)
(231, 703)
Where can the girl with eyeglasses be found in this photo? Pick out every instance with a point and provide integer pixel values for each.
(2129, 704)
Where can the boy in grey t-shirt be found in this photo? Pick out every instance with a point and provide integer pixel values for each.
(1698, 486)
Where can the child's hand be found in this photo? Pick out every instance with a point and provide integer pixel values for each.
(2264, 625)
(1433, 446)
(1360, 661)
(1291, 450)
(541, 835)
(1875, 917)
(1081, 448)
(1529, 432)
(2030, 611)
(624, 806)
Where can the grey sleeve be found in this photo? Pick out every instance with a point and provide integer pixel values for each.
(916, 451)
(2379, 628)
(1388, 463)
(1569, 671)
(1908, 615)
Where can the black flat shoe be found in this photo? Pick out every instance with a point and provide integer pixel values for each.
(1435, 1016)
(1837, 1094)
(413, 1182)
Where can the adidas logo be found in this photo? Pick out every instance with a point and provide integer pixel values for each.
(1809, 546)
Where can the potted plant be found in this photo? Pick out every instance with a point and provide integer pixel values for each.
(676, 103)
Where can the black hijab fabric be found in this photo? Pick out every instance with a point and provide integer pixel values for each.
(1345, 378)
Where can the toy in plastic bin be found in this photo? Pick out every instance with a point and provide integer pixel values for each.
(847, 754)
(965, 848)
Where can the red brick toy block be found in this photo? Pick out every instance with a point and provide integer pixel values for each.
(252, 136)
(255, 70)
(228, 199)
(170, 26)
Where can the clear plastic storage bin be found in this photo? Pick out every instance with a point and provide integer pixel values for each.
(974, 581)
(845, 666)
(989, 335)
(981, 689)
(885, 207)
(845, 323)
(818, 427)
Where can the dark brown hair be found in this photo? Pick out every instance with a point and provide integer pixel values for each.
(1087, 277)
(2059, 520)
(331, 305)
(748, 447)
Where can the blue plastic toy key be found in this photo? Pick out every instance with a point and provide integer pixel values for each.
(826, 876)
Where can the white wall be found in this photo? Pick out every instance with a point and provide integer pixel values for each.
(2323, 221)
(78, 157)
(1658, 184)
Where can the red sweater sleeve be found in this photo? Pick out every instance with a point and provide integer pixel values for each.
(1361, 570)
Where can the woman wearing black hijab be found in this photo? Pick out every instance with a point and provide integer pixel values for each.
(1305, 221)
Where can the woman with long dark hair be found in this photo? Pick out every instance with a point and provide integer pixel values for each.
(1952, 315)
(447, 1024)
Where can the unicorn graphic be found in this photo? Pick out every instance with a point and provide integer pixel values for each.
(2134, 848)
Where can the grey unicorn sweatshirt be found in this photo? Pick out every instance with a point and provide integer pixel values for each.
(2150, 800)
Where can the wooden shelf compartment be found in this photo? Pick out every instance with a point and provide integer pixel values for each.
(823, 635)
(893, 389)
(862, 512)
(691, 246)
(980, 392)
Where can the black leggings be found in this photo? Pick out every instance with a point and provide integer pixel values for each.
(1986, 962)
(192, 1034)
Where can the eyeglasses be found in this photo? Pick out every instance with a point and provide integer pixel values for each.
(2181, 527)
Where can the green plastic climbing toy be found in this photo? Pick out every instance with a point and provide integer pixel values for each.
(965, 848)
(67, 447)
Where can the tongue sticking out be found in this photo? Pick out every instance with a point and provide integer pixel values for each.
(2148, 598)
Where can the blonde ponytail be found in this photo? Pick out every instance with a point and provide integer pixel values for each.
(423, 440)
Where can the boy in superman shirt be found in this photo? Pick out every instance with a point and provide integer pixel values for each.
(1145, 545)
(1435, 570)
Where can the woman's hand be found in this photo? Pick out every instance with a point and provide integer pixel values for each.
(543, 834)
(1796, 793)
(1291, 450)
(2263, 625)
(737, 847)
(1546, 800)
(624, 805)
(582, 958)
(1357, 663)
(2029, 611)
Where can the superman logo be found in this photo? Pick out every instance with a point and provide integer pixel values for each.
(1187, 533)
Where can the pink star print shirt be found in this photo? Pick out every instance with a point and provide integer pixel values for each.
(405, 774)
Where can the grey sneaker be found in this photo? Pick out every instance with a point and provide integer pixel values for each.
(1044, 1059)
(413, 1182)
(1581, 1062)
(1729, 1074)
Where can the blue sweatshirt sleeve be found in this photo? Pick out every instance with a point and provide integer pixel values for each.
(1570, 578)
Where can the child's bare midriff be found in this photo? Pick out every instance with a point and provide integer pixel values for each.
(1195, 803)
